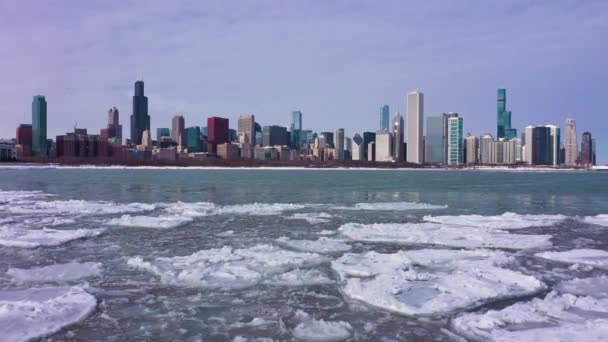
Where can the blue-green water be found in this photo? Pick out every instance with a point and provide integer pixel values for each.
(135, 304)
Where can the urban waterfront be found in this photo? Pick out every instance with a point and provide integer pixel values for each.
(319, 255)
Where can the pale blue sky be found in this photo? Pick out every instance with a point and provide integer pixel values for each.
(336, 61)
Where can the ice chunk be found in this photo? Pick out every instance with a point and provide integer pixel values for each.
(79, 207)
(592, 257)
(600, 220)
(595, 287)
(312, 218)
(300, 277)
(31, 238)
(432, 233)
(392, 206)
(260, 209)
(313, 330)
(196, 209)
(163, 222)
(555, 318)
(226, 267)
(38, 312)
(327, 232)
(48, 221)
(322, 245)
(19, 195)
(504, 221)
(431, 282)
(56, 272)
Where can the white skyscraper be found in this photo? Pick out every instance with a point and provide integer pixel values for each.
(570, 143)
(484, 148)
(415, 119)
(471, 148)
(554, 131)
(384, 146)
(529, 144)
(339, 144)
(357, 147)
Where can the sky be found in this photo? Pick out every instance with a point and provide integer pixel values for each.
(336, 61)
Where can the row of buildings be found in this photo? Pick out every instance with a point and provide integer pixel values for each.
(398, 139)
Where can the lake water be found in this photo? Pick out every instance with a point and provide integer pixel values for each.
(320, 255)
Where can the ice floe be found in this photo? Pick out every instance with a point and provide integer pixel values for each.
(431, 282)
(163, 222)
(200, 209)
(48, 221)
(600, 220)
(227, 267)
(392, 206)
(19, 195)
(504, 221)
(322, 245)
(596, 287)
(312, 218)
(592, 257)
(196, 209)
(299, 277)
(38, 312)
(57, 272)
(313, 330)
(557, 317)
(433, 233)
(79, 207)
(31, 238)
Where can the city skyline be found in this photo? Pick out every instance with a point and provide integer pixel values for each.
(559, 88)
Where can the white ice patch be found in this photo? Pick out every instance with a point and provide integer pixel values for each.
(312, 218)
(600, 220)
(57, 272)
(79, 207)
(596, 287)
(327, 232)
(436, 234)
(392, 206)
(38, 312)
(555, 318)
(504, 221)
(300, 277)
(226, 267)
(322, 245)
(431, 282)
(313, 330)
(48, 221)
(592, 257)
(201, 209)
(163, 222)
(19, 195)
(32, 238)
(196, 209)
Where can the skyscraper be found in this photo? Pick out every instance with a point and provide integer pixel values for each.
(296, 130)
(471, 149)
(39, 147)
(24, 140)
(446, 117)
(193, 139)
(146, 139)
(368, 137)
(246, 129)
(140, 120)
(178, 130)
(570, 143)
(415, 117)
(554, 134)
(217, 130)
(528, 145)
(339, 144)
(587, 150)
(384, 116)
(384, 146)
(541, 145)
(398, 152)
(114, 126)
(329, 139)
(433, 142)
(501, 108)
(162, 132)
(275, 136)
(357, 148)
(455, 140)
(484, 148)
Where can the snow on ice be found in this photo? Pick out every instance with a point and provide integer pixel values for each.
(592, 257)
(57, 272)
(504, 221)
(163, 222)
(322, 245)
(15, 236)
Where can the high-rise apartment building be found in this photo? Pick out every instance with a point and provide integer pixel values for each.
(587, 149)
(384, 117)
(398, 131)
(384, 146)
(339, 144)
(446, 117)
(140, 120)
(528, 145)
(570, 143)
(484, 148)
(470, 146)
(434, 140)
(455, 140)
(39, 147)
(178, 130)
(415, 117)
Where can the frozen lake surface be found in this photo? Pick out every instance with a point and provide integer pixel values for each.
(302, 255)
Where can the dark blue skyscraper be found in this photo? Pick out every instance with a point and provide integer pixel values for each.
(296, 129)
(384, 118)
(39, 146)
(140, 120)
(503, 120)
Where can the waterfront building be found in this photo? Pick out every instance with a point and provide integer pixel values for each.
(193, 139)
(24, 140)
(470, 146)
(554, 134)
(246, 129)
(328, 138)
(455, 140)
(348, 147)
(339, 144)
(384, 117)
(484, 148)
(541, 146)
(146, 140)
(446, 117)
(368, 137)
(415, 117)
(528, 145)
(8, 151)
(140, 120)
(384, 146)
(570, 143)
(398, 131)
(296, 130)
(275, 136)
(217, 130)
(357, 147)
(587, 149)
(517, 145)
(178, 130)
(162, 132)
(39, 143)
(114, 128)
(228, 151)
(433, 142)
(371, 151)
(232, 135)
